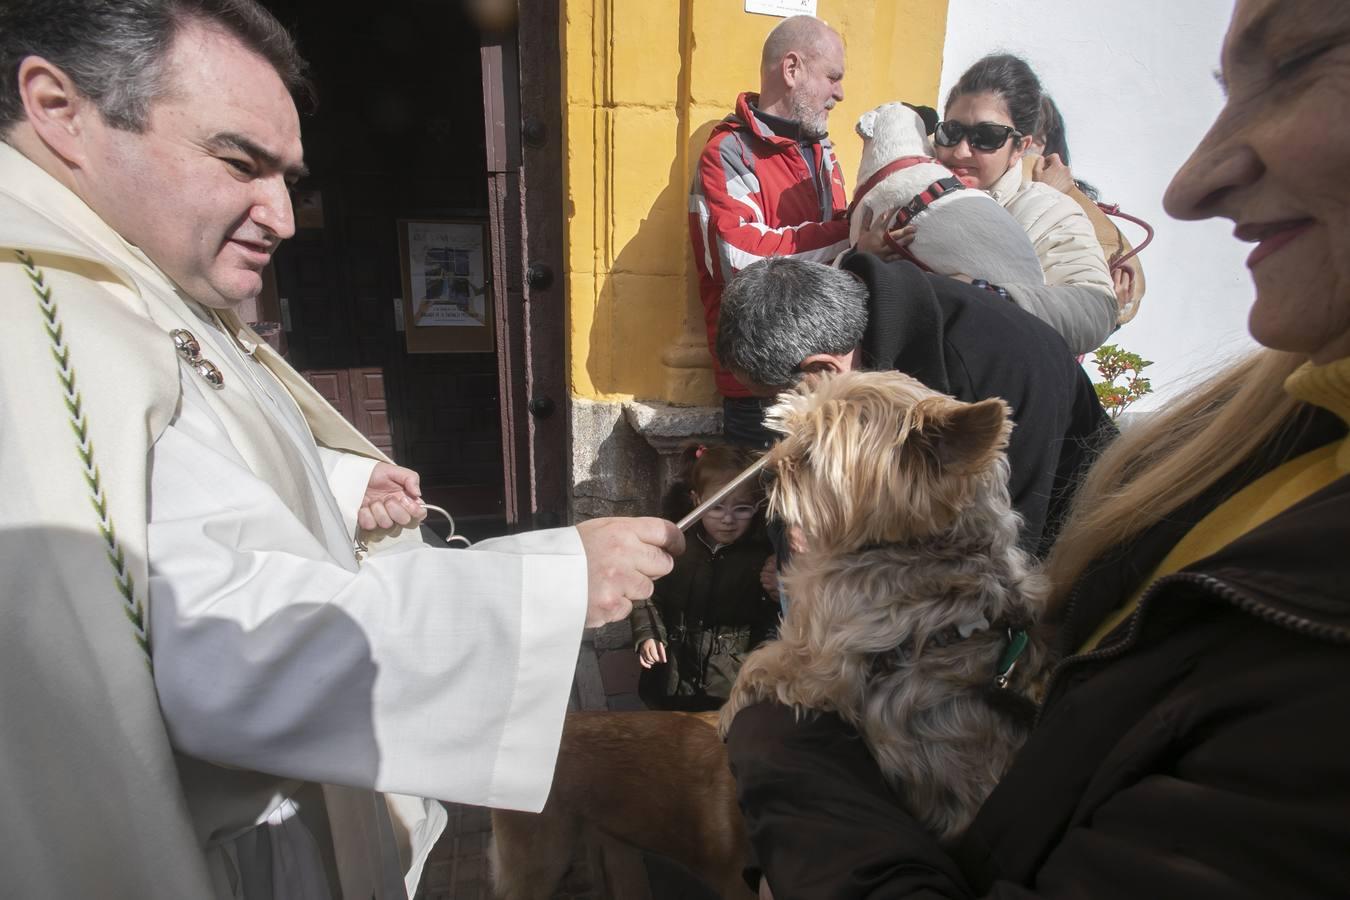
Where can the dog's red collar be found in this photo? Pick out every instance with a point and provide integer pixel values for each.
(904, 215)
(926, 198)
(917, 205)
(881, 174)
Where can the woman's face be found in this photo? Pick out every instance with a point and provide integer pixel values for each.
(731, 517)
(980, 168)
(1277, 163)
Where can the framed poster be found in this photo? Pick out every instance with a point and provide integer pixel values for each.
(447, 289)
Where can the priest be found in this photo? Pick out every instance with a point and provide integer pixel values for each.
(216, 682)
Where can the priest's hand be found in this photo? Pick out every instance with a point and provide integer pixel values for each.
(623, 557)
(393, 497)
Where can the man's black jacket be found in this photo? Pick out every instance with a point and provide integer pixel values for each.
(973, 344)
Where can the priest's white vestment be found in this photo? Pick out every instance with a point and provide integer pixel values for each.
(189, 644)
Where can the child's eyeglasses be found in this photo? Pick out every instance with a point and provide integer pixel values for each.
(740, 512)
(985, 136)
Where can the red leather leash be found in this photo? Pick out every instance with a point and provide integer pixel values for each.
(881, 174)
(1113, 209)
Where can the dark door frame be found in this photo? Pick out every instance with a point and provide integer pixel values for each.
(522, 108)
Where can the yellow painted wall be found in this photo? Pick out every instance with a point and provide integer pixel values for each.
(644, 82)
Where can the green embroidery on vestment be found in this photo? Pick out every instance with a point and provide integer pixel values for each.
(84, 446)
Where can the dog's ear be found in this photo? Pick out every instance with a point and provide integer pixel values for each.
(928, 115)
(867, 124)
(965, 437)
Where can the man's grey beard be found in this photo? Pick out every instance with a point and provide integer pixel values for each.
(813, 124)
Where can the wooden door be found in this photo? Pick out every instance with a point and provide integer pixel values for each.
(522, 103)
(407, 144)
(359, 395)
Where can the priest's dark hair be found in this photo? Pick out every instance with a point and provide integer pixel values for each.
(116, 52)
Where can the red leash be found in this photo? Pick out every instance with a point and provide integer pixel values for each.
(880, 175)
(1113, 209)
(904, 252)
(931, 193)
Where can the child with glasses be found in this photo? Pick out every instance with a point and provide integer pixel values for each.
(712, 609)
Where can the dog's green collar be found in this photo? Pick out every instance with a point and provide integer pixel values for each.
(1017, 643)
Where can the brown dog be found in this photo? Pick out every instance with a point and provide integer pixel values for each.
(653, 780)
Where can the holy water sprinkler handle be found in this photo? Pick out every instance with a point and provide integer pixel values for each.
(750, 472)
(452, 538)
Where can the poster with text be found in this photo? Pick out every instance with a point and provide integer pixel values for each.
(446, 285)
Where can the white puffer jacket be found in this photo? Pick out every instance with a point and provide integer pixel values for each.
(1077, 299)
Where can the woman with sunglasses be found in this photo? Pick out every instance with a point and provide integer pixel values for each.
(990, 118)
(1192, 737)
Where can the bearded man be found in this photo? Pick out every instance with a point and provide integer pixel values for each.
(768, 184)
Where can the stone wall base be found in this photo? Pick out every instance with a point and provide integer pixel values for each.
(624, 457)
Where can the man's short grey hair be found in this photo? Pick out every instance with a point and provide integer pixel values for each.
(778, 312)
(115, 51)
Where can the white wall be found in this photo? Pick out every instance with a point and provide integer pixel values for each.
(1135, 85)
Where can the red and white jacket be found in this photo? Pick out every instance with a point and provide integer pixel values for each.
(755, 195)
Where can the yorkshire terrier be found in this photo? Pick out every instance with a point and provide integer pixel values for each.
(910, 605)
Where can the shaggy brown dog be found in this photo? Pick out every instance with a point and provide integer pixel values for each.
(908, 589)
(653, 780)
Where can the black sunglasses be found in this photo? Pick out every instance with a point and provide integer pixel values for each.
(985, 136)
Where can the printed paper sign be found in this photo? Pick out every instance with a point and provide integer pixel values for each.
(781, 8)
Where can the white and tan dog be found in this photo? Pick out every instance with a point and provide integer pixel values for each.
(961, 230)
